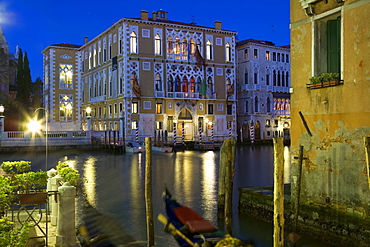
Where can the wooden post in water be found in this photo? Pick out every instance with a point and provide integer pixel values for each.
(225, 149)
(367, 156)
(278, 192)
(148, 192)
(298, 185)
(230, 166)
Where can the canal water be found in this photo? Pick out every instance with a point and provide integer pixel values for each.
(114, 184)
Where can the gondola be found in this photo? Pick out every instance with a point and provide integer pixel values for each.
(187, 226)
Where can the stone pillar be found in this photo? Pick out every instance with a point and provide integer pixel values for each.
(51, 173)
(66, 229)
(54, 184)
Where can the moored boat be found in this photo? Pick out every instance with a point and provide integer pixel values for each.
(163, 149)
(134, 147)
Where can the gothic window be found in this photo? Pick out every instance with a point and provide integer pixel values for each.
(268, 103)
(133, 43)
(228, 52)
(65, 76)
(209, 50)
(157, 45)
(256, 108)
(158, 83)
(65, 108)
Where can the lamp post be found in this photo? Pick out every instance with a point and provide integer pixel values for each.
(46, 133)
(88, 118)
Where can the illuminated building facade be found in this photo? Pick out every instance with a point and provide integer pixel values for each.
(148, 76)
(263, 90)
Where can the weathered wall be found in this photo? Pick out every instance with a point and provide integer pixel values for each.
(334, 168)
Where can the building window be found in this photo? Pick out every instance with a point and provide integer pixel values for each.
(287, 58)
(246, 78)
(268, 103)
(229, 109)
(134, 125)
(256, 107)
(327, 45)
(157, 45)
(105, 50)
(158, 83)
(210, 109)
(278, 57)
(228, 52)
(209, 50)
(246, 54)
(255, 53)
(159, 125)
(158, 108)
(255, 78)
(65, 108)
(133, 43)
(135, 107)
(267, 55)
(246, 110)
(274, 56)
(267, 79)
(65, 76)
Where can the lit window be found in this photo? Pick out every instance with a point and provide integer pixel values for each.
(65, 108)
(133, 43)
(267, 55)
(134, 125)
(246, 53)
(65, 76)
(209, 50)
(255, 54)
(158, 108)
(157, 45)
(158, 83)
(228, 52)
(159, 125)
(135, 107)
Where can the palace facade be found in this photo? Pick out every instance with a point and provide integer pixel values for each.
(146, 77)
(263, 90)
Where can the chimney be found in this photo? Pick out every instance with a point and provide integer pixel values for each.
(154, 15)
(218, 25)
(144, 15)
(86, 39)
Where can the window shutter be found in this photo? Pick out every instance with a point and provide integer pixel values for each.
(333, 29)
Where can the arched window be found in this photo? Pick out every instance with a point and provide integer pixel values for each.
(184, 50)
(184, 84)
(209, 86)
(287, 79)
(177, 46)
(133, 43)
(228, 52)
(170, 46)
(282, 79)
(170, 84)
(192, 46)
(274, 77)
(157, 45)
(192, 85)
(177, 84)
(278, 78)
(256, 109)
(246, 106)
(209, 50)
(268, 104)
(158, 83)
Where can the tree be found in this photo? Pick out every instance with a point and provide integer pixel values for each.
(23, 82)
(37, 93)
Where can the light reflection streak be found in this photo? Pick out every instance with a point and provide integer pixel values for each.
(209, 184)
(184, 175)
(136, 188)
(90, 181)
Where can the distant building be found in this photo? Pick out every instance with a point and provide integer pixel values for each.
(8, 69)
(147, 77)
(330, 111)
(263, 90)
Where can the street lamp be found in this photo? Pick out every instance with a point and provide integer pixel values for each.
(88, 118)
(34, 126)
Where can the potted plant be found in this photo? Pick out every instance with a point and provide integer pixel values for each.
(13, 167)
(6, 194)
(315, 82)
(31, 187)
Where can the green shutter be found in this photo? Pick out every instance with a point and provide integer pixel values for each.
(333, 29)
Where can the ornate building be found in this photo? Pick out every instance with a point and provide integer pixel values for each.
(263, 90)
(147, 77)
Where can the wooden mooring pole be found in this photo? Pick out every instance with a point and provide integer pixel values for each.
(148, 192)
(278, 192)
(225, 190)
(367, 156)
(298, 186)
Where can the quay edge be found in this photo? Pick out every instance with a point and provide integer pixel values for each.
(330, 223)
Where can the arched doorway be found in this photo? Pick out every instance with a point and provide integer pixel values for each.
(185, 124)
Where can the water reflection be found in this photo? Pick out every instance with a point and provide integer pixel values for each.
(89, 175)
(209, 185)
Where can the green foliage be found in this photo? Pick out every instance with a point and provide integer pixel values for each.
(324, 77)
(70, 175)
(315, 80)
(12, 236)
(6, 194)
(31, 181)
(61, 165)
(12, 167)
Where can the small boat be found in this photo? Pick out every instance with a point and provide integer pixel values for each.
(187, 226)
(163, 149)
(134, 147)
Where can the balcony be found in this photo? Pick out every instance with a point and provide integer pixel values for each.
(97, 99)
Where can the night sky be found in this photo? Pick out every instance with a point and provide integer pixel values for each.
(35, 24)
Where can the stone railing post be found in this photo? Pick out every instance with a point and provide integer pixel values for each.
(51, 173)
(66, 230)
(54, 183)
